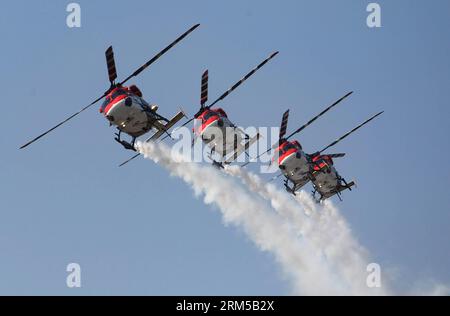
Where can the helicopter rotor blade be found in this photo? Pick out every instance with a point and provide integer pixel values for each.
(112, 76)
(286, 117)
(157, 56)
(319, 115)
(237, 84)
(186, 123)
(128, 160)
(339, 155)
(274, 146)
(350, 132)
(284, 123)
(64, 121)
(204, 89)
(111, 64)
(283, 128)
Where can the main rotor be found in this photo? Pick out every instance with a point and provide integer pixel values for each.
(112, 74)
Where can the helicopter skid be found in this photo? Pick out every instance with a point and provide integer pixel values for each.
(125, 144)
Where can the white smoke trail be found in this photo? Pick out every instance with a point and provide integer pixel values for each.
(323, 226)
(301, 263)
(324, 260)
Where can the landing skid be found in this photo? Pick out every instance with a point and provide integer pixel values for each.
(215, 163)
(218, 165)
(296, 186)
(288, 188)
(337, 191)
(161, 130)
(125, 144)
(320, 199)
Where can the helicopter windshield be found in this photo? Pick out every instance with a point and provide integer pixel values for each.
(104, 104)
(287, 147)
(118, 93)
(208, 115)
(280, 151)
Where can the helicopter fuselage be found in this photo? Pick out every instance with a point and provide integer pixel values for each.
(325, 178)
(126, 109)
(294, 163)
(217, 131)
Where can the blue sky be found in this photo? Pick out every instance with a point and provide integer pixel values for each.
(135, 230)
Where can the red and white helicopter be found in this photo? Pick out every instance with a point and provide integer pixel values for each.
(325, 179)
(293, 162)
(125, 108)
(215, 129)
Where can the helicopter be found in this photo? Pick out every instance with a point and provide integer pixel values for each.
(215, 129)
(125, 108)
(325, 179)
(292, 161)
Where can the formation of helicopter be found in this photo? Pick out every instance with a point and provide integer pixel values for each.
(299, 167)
(125, 108)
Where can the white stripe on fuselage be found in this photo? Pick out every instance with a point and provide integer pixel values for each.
(114, 106)
(289, 156)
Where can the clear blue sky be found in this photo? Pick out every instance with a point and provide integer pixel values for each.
(134, 230)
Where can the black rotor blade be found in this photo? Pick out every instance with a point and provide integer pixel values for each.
(61, 123)
(319, 115)
(112, 74)
(353, 130)
(284, 123)
(186, 123)
(127, 161)
(151, 61)
(283, 132)
(275, 145)
(110, 63)
(340, 155)
(237, 84)
(283, 128)
(204, 89)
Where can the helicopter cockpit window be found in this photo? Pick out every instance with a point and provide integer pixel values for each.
(320, 162)
(105, 103)
(288, 147)
(221, 112)
(118, 93)
(208, 115)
